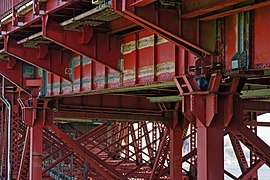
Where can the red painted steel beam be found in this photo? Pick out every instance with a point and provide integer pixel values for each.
(12, 73)
(213, 113)
(95, 162)
(239, 153)
(88, 116)
(251, 170)
(56, 162)
(255, 123)
(53, 61)
(210, 152)
(149, 21)
(51, 7)
(160, 156)
(26, 145)
(110, 104)
(99, 47)
(193, 8)
(256, 106)
(140, 3)
(80, 140)
(235, 11)
(176, 133)
(253, 142)
(36, 145)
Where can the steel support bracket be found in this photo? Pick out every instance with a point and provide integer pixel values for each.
(36, 112)
(204, 105)
(12, 70)
(53, 61)
(99, 47)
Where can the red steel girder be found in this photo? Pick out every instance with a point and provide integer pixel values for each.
(140, 3)
(96, 162)
(239, 153)
(213, 113)
(36, 136)
(235, 11)
(106, 103)
(86, 116)
(54, 61)
(161, 156)
(251, 170)
(24, 159)
(157, 22)
(13, 73)
(15, 140)
(51, 7)
(253, 142)
(12, 70)
(210, 151)
(193, 8)
(255, 106)
(98, 47)
(176, 133)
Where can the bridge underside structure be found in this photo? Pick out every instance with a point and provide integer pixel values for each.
(133, 89)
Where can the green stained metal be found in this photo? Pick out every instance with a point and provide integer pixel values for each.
(165, 99)
(263, 93)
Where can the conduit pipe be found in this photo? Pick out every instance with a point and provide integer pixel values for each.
(8, 105)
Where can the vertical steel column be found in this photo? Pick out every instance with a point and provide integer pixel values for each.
(210, 151)
(175, 148)
(36, 153)
(253, 157)
(211, 112)
(193, 146)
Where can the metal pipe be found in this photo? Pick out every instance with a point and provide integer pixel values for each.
(8, 105)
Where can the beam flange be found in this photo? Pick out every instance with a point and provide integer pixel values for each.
(70, 116)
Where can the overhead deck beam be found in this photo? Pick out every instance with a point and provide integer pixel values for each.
(148, 21)
(69, 116)
(140, 3)
(234, 11)
(99, 47)
(51, 7)
(200, 8)
(53, 61)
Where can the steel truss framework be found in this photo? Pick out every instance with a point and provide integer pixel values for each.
(161, 75)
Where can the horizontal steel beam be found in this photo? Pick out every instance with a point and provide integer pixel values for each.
(141, 3)
(203, 8)
(69, 116)
(165, 99)
(257, 106)
(234, 11)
